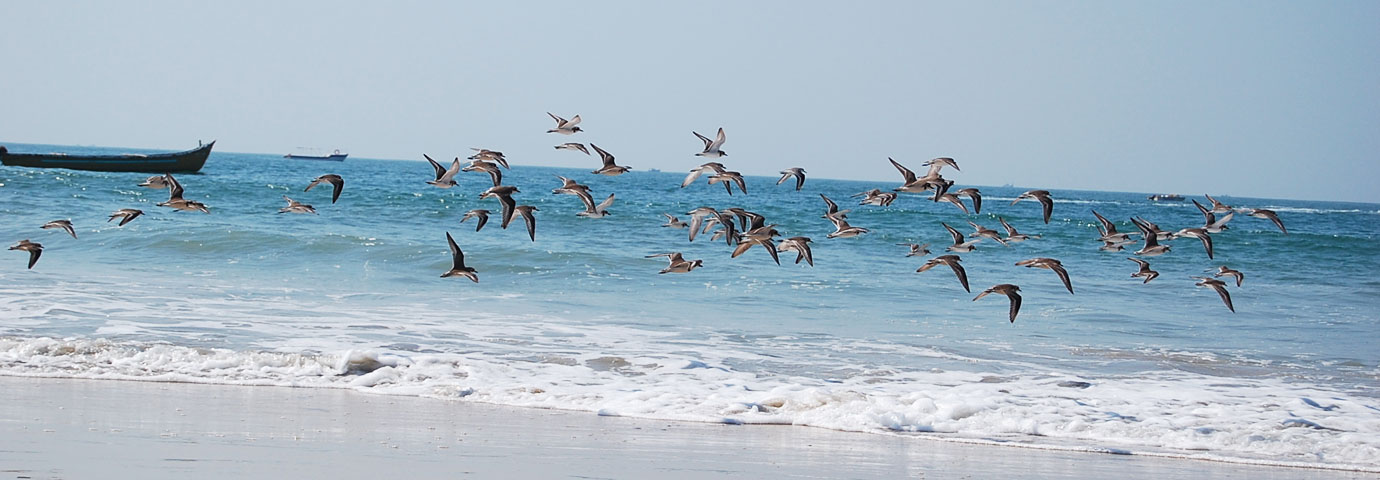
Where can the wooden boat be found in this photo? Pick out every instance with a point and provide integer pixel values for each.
(335, 156)
(188, 161)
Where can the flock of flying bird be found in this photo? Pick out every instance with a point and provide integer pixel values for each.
(742, 229)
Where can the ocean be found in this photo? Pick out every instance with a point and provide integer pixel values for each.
(580, 320)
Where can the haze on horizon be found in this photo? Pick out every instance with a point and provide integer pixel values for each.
(1259, 99)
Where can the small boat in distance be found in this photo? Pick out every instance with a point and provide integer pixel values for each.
(1166, 197)
(179, 162)
(308, 154)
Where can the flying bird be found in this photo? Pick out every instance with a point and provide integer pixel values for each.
(155, 182)
(125, 215)
(1223, 271)
(916, 250)
(1144, 271)
(563, 126)
(678, 264)
(1049, 264)
(457, 266)
(1220, 287)
(876, 197)
(481, 214)
(797, 172)
(959, 245)
(695, 173)
(1046, 203)
(64, 225)
(672, 221)
(336, 182)
(445, 177)
(595, 211)
(580, 147)
(953, 262)
(974, 195)
(1010, 291)
(1268, 215)
(526, 212)
(1011, 234)
(504, 194)
(175, 200)
(478, 165)
(490, 155)
(729, 178)
(34, 249)
(801, 245)
(294, 206)
(609, 167)
(712, 148)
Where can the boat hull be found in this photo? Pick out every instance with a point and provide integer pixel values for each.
(182, 162)
(329, 158)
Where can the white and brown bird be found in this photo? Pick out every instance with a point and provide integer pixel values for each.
(1012, 235)
(609, 168)
(980, 231)
(801, 246)
(34, 249)
(678, 263)
(729, 178)
(1268, 215)
(563, 126)
(1199, 234)
(876, 197)
(337, 184)
(504, 194)
(975, 195)
(710, 167)
(445, 177)
(175, 200)
(1144, 271)
(489, 155)
(578, 147)
(959, 245)
(1049, 264)
(672, 221)
(1152, 245)
(1011, 292)
(294, 206)
(712, 148)
(931, 181)
(1217, 207)
(951, 198)
(916, 250)
(125, 215)
(1211, 223)
(797, 172)
(953, 262)
(478, 165)
(64, 225)
(479, 214)
(1108, 230)
(526, 212)
(1042, 196)
(595, 211)
(569, 187)
(764, 236)
(1220, 287)
(155, 182)
(457, 265)
(842, 229)
(832, 209)
(1223, 271)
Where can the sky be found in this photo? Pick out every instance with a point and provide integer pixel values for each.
(1234, 98)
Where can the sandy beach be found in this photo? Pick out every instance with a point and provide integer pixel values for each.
(75, 429)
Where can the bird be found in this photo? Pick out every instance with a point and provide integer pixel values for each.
(916, 250)
(481, 214)
(1199, 234)
(801, 245)
(595, 211)
(712, 148)
(695, 173)
(175, 200)
(833, 209)
(1224, 271)
(1152, 246)
(573, 146)
(155, 182)
(1220, 287)
(876, 197)
(758, 236)
(1049, 264)
(526, 212)
(931, 181)
(953, 262)
(490, 155)
(1108, 230)
(563, 126)
(34, 249)
(125, 215)
(504, 194)
(336, 182)
(294, 206)
(478, 165)
(672, 221)
(980, 231)
(609, 167)
(1144, 271)
(842, 229)
(1010, 291)
(1210, 222)
(951, 198)
(959, 245)
(570, 187)
(1043, 197)
(797, 172)
(678, 263)
(975, 196)
(457, 266)
(1268, 215)
(65, 225)
(1217, 207)
(729, 178)
(939, 162)
(1012, 235)
(697, 219)
(445, 177)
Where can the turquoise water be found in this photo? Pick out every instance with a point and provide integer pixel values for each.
(580, 320)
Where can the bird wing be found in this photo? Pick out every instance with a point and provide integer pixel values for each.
(718, 140)
(1015, 304)
(531, 221)
(706, 140)
(440, 170)
(457, 256)
(603, 155)
(958, 237)
(961, 273)
(604, 205)
(905, 172)
(1226, 297)
(1063, 275)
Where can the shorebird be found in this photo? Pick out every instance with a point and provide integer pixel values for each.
(1012, 235)
(1049, 264)
(1151, 227)
(1220, 287)
(747, 220)
(609, 167)
(1042, 196)
(875, 197)
(931, 181)
(1152, 245)
(728, 178)
(1210, 222)
(573, 146)
(953, 262)
(714, 167)
(569, 187)
(959, 245)
(1268, 215)
(1010, 291)
(1108, 230)
(479, 213)
(974, 195)
(1217, 207)
(504, 194)
(457, 265)
(951, 198)
(445, 177)
(980, 231)
(764, 236)
(678, 263)
(916, 250)
(1223, 271)
(478, 165)
(526, 212)
(563, 126)
(801, 245)
(1110, 246)
(833, 209)
(155, 182)
(125, 215)
(490, 155)
(842, 229)
(34, 249)
(712, 148)
(592, 210)
(294, 206)
(65, 225)
(1199, 234)
(672, 221)
(1144, 271)
(336, 182)
(175, 200)
(797, 172)
(697, 217)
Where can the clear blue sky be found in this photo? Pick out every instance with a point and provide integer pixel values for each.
(1253, 98)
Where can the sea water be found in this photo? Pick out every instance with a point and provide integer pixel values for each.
(580, 320)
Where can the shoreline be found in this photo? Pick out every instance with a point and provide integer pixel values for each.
(175, 430)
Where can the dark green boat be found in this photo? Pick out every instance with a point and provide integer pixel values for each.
(188, 161)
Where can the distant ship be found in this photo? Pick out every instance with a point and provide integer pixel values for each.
(1167, 197)
(334, 156)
